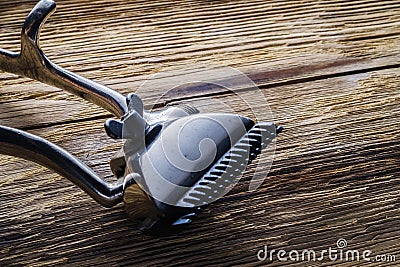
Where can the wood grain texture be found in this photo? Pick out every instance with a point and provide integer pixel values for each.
(329, 71)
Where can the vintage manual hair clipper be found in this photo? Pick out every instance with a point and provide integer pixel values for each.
(173, 162)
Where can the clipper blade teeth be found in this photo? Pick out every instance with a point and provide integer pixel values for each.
(229, 168)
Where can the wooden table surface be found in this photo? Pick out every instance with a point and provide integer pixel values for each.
(330, 72)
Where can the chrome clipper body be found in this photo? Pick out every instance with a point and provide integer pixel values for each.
(173, 163)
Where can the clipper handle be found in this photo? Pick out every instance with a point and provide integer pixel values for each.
(31, 62)
(21, 144)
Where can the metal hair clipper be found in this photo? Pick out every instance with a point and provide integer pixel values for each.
(173, 162)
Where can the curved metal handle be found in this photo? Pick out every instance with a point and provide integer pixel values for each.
(32, 62)
(21, 144)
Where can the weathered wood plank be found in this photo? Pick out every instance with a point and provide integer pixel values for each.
(284, 41)
(335, 175)
(329, 70)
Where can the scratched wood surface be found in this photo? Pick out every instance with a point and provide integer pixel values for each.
(329, 71)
